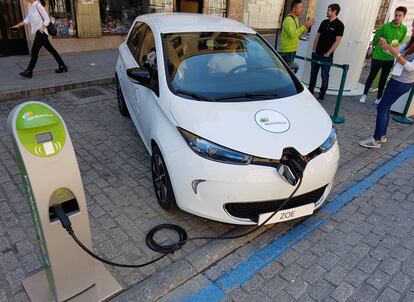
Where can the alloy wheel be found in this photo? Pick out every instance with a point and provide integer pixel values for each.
(159, 178)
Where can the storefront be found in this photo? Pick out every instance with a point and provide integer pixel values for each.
(102, 24)
(11, 42)
(62, 14)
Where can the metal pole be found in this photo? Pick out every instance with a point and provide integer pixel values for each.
(345, 67)
(404, 119)
(276, 37)
(335, 118)
(281, 23)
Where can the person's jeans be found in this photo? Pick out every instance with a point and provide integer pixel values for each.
(324, 73)
(288, 57)
(393, 91)
(376, 66)
(41, 39)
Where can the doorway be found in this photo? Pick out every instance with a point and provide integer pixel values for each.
(190, 6)
(11, 42)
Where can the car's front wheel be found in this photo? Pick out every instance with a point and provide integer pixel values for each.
(161, 181)
(120, 98)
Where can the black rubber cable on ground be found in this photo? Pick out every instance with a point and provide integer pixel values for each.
(110, 262)
(150, 241)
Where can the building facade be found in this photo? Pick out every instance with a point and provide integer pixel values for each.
(102, 24)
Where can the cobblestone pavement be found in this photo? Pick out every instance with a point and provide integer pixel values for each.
(364, 252)
(115, 170)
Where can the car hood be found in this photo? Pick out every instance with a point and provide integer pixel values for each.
(260, 128)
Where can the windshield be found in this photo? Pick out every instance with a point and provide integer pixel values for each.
(218, 66)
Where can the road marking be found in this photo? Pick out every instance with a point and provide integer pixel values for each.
(216, 290)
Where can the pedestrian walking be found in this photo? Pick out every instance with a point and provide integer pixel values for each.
(401, 82)
(394, 33)
(39, 20)
(326, 41)
(291, 31)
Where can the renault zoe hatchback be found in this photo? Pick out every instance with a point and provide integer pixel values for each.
(231, 131)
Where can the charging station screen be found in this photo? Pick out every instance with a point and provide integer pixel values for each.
(44, 137)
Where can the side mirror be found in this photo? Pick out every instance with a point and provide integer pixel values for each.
(294, 66)
(139, 75)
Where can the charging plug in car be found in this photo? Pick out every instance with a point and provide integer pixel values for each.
(292, 165)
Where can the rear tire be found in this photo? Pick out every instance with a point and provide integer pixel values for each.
(161, 181)
(123, 109)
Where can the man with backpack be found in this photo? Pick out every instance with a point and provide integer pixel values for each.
(291, 31)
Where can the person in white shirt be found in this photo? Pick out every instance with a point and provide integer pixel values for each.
(401, 82)
(228, 60)
(38, 19)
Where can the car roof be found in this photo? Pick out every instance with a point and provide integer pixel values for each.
(187, 22)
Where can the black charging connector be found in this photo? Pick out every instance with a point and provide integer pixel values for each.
(63, 218)
(169, 249)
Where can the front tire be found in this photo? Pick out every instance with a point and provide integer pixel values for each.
(161, 181)
(123, 109)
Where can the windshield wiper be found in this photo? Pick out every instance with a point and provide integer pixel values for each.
(246, 96)
(195, 96)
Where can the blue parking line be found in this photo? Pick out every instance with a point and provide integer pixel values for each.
(216, 290)
(208, 294)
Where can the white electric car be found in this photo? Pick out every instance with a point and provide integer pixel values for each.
(230, 129)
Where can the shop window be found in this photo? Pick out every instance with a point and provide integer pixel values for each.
(262, 14)
(61, 13)
(217, 8)
(117, 16)
(161, 6)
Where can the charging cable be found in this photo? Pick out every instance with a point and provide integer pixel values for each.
(150, 241)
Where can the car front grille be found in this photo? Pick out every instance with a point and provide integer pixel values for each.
(252, 210)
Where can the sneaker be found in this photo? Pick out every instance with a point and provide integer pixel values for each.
(383, 139)
(363, 99)
(370, 143)
(321, 98)
(377, 101)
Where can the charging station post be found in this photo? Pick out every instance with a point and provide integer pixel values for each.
(51, 177)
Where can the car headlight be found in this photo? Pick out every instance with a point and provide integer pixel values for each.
(328, 143)
(212, 151)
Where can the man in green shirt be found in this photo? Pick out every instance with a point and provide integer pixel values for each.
(394, 33)
(291, 31)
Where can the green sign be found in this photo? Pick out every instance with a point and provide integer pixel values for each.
(40, 130)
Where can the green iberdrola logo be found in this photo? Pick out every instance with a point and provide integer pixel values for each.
(28, 116)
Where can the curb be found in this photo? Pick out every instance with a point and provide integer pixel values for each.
(182, 270)
(13, 95)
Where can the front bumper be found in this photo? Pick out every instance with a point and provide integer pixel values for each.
(238, 193)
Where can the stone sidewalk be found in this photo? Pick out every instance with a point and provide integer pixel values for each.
(85, 69)
(360, 252)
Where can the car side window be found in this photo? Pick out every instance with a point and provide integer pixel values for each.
(135, 39)
(148, 58)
